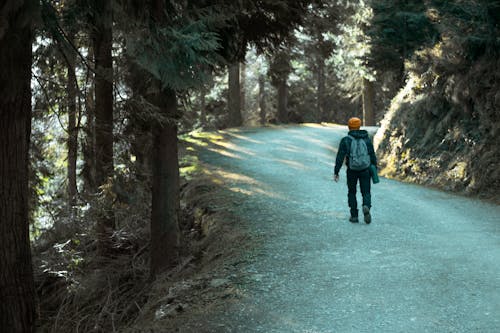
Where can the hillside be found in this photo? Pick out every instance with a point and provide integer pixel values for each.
(442, 128)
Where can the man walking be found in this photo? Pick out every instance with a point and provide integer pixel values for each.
(357, 150)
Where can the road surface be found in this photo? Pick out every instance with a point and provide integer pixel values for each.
(428, 262)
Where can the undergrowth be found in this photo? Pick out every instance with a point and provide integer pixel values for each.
(78, 291)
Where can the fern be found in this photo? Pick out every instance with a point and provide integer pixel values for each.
(177, 55)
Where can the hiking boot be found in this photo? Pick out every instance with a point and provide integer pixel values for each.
(354, 219)
(366, 212)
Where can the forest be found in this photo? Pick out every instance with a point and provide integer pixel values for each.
(105, 105)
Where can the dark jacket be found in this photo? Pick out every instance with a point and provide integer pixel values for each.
(345, 147)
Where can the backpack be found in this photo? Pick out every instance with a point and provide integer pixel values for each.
(359, 159)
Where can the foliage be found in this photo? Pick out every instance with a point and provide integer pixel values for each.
(176, 55)
(472, 25)
(353, 49)
(187, 47)
(397, 30)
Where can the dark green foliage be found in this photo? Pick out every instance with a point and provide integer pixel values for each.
(263, 23)
(397, 30)
(176, 55)
(197, 35)
(475, 25)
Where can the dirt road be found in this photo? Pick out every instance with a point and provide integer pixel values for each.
(429, 262)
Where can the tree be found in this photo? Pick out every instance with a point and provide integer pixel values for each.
(243, 83)
(234, 95)
(72, 143)
(174, 42)
(165, 43)
(102, 45)
(320, 19)
(262, 100)
(368, 103)
(279, 69)
(397, 29)
(351, 57)
(17, 306)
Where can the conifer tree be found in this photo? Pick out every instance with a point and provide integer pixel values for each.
(17, 294)
(102, 37)
(279, 70)
(398, 28)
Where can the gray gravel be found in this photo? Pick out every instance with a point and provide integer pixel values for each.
(429, 262)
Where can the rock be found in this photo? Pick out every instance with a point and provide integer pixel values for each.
(165, 311)
(217, 283)
(169, 310)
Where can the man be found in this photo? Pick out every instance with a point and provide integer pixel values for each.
(357, 149)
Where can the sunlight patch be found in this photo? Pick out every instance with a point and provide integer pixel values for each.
(224, 153)
(236, 177)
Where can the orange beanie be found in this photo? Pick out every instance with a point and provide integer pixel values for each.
(354, 123)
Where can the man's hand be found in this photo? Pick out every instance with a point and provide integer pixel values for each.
(336, 178)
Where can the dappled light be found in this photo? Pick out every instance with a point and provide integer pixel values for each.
(193, 166)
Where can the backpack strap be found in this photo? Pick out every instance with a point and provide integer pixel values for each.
(352, 138)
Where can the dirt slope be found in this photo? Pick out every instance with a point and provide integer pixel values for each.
(443, 128)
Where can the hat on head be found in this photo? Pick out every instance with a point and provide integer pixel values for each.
(354, 123)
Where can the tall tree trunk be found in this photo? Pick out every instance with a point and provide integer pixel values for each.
(283, 102)
(17, 301)
(71, 91)
(320, 97)
(165, 234)
(203, 107)
(243, 77)
(262, 99)
(88, 171)
(368, 100)
(165, 205)
(103, 37)
(234, 103)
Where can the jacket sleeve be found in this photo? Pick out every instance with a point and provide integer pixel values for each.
(371, 152)
(341, 154)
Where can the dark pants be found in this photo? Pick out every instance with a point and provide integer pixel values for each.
(364, 184)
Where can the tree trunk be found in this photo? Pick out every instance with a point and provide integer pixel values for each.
(262, 99)
(103, 38)
(368, 100)
(88, 171)
(320, 97)
(17, 294)
(71, 91)
(165, 205)
(234, 103)
(283, 102)
(243, 77)
(203, 107)
(165, 190)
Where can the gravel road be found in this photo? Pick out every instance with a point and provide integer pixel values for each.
(429, 262)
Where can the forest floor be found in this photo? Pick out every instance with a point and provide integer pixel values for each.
(286, 259)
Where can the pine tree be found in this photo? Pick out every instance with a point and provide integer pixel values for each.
(17, 294)
(279, 69)
(102, 36)
(398, 28)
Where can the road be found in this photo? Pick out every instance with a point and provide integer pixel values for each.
(429, 262)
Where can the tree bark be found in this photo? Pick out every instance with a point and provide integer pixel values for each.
(203, 107)
(88, 171)
(282, 102)
(234, 102)
(71, 91)
(368, 100)
(165, 234)
(17, 301)
(320, 98)
(243, 77)
(262, 99)
(103, 37)
(165, 205)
